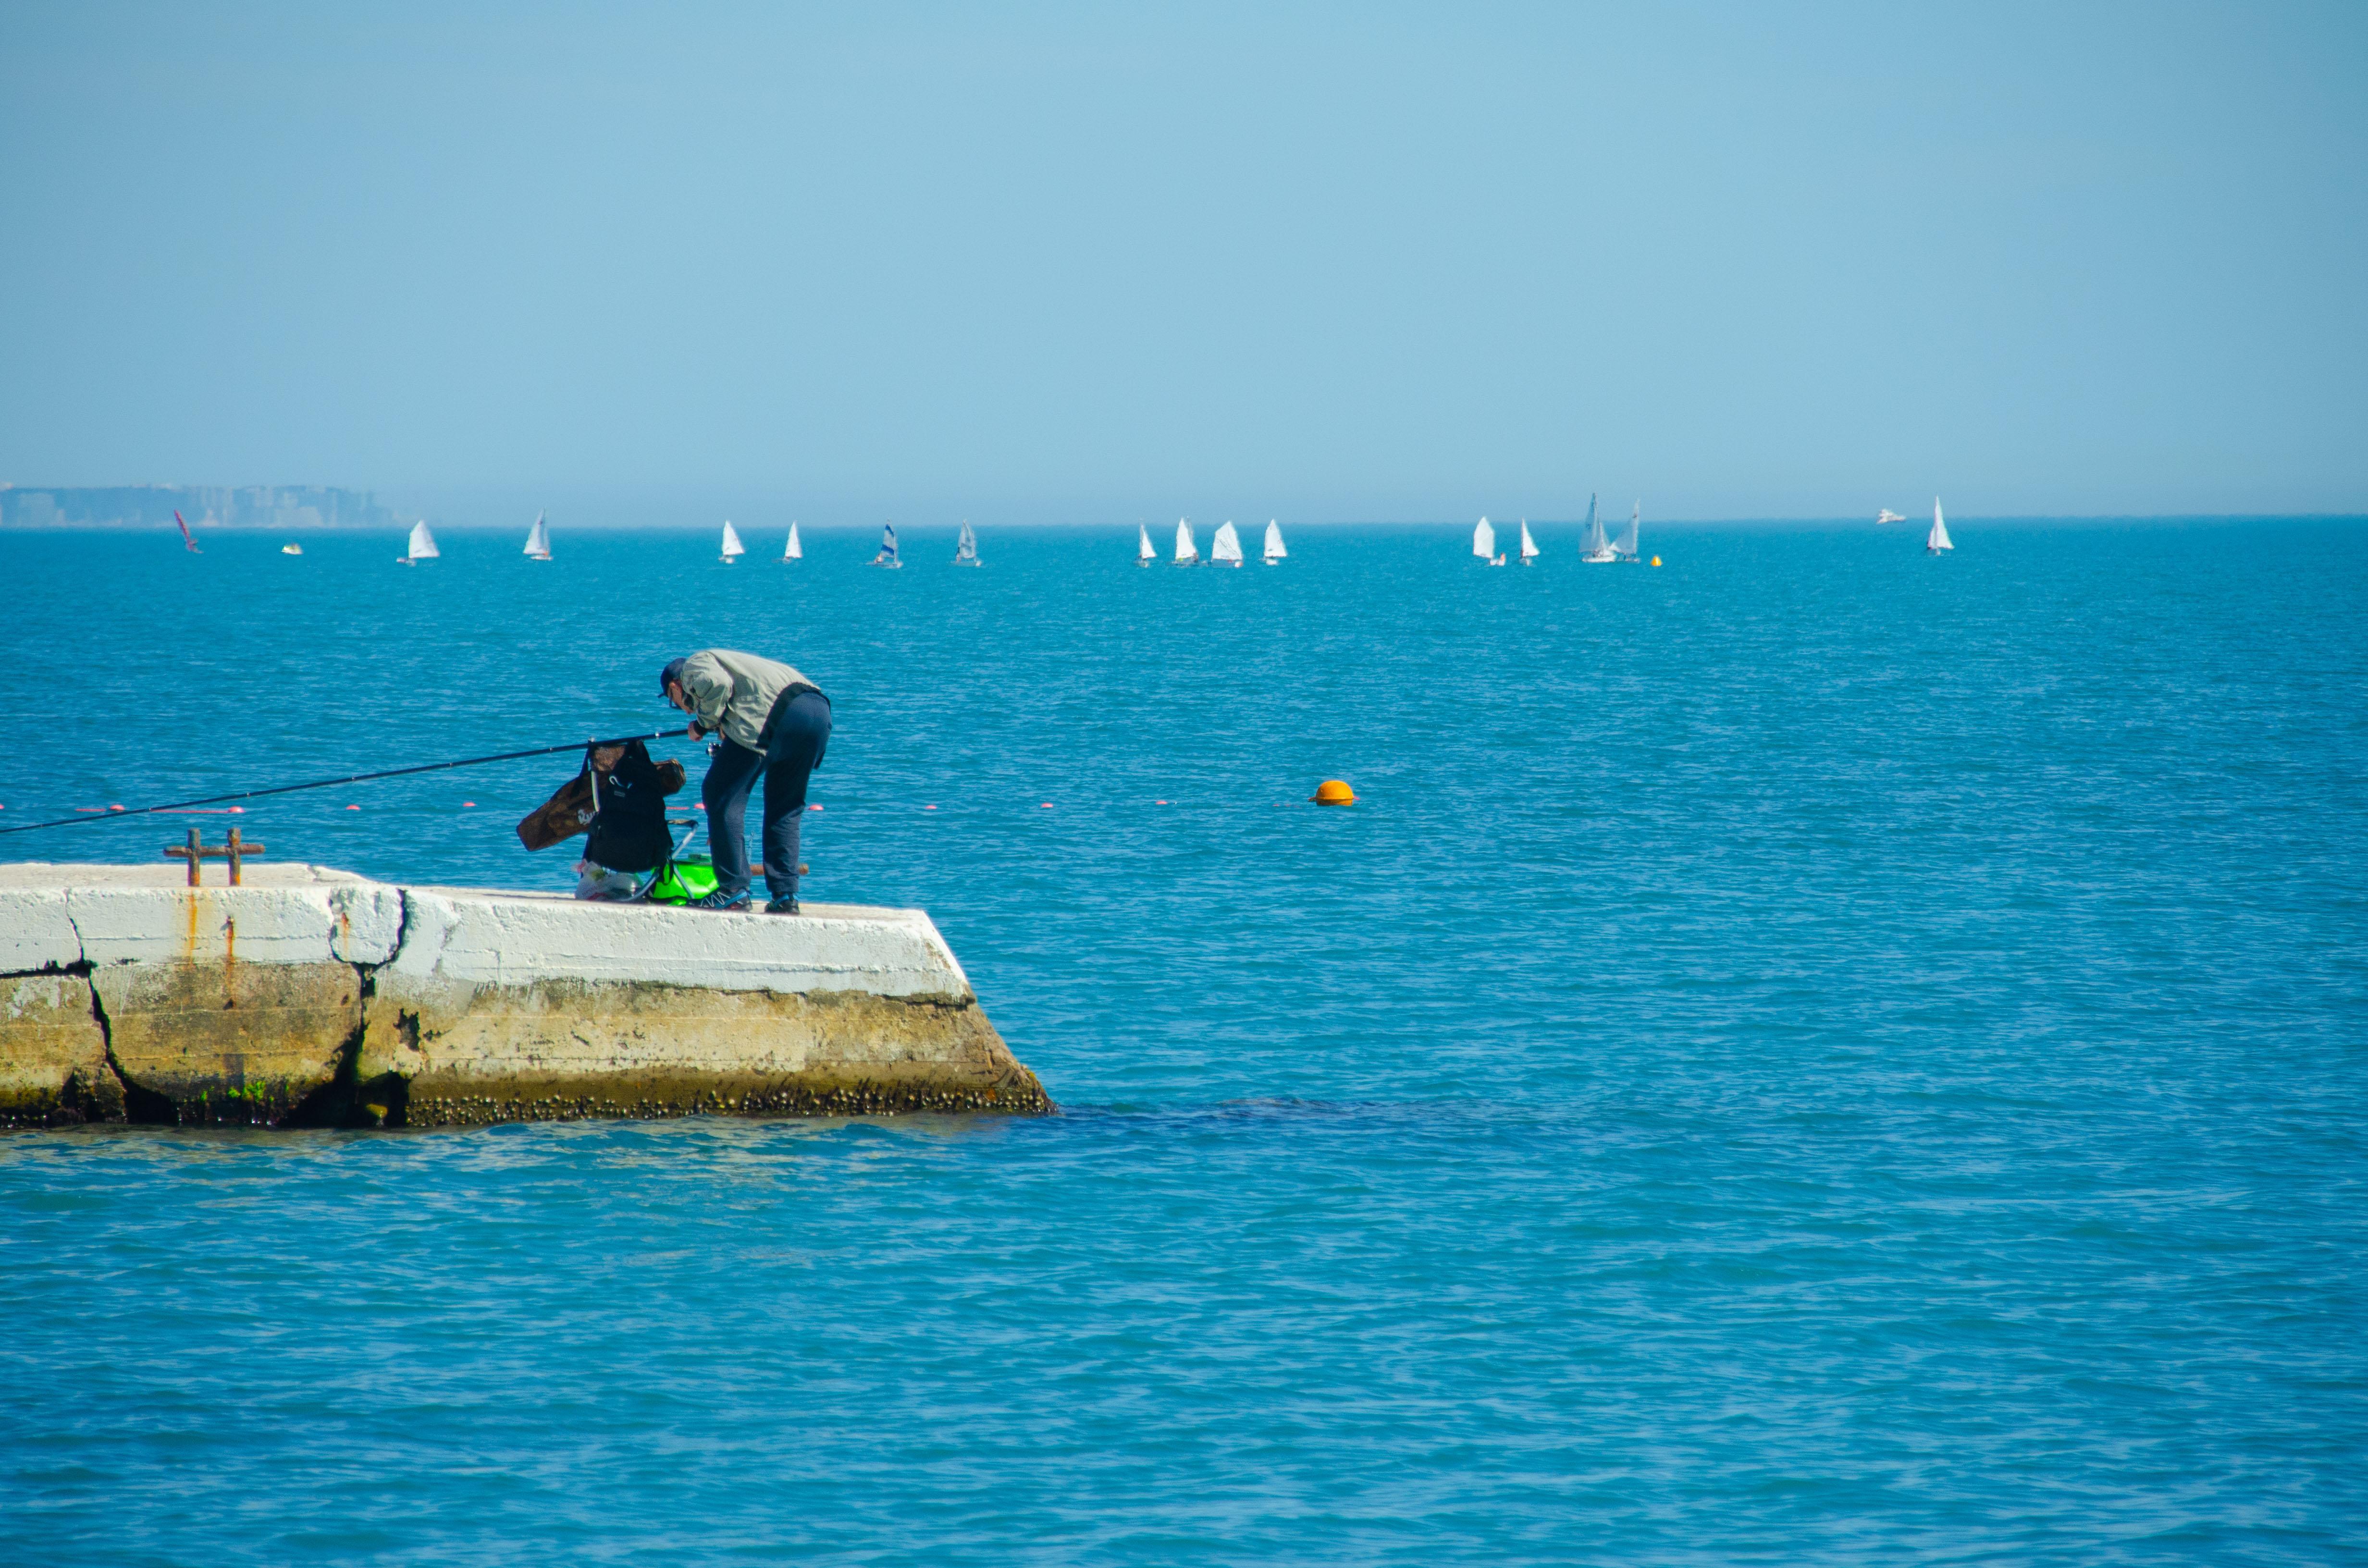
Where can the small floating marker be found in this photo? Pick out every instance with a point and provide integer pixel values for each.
(238, 811)
(929, 808)
(115, 808)
(1334, 792)
(1656, 560)
(466, 805)
(353, 808)
(1048, 805)
(1158, 803)
(811, 808)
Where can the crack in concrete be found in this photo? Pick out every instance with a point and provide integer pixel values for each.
(402, 927)
(141, 1107)
(345, 1101)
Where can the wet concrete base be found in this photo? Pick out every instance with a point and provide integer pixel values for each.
(566, 1048)
(337, 1045)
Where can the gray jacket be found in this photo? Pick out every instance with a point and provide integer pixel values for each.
(733, 693)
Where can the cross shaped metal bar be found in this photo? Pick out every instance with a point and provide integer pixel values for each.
(195, 853)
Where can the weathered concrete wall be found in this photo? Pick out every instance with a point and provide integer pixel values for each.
(53, 1053)
(313, 998)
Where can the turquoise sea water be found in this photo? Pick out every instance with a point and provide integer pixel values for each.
(1810, 1052)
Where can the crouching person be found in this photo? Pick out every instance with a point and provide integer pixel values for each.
(619, 798)
(629, 827)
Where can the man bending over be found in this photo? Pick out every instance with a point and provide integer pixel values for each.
(772, 720)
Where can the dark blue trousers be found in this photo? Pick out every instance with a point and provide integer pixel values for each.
(800, 735)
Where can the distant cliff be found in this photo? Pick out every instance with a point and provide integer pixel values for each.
(205, 506)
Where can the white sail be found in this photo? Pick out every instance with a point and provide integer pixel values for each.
(1593, 548)
(1225, 550)
(538, 539)
(1530, 550)
(793, 551)
(966, 548)
(887, 556)
(1938, 539)
(1484, 541)
(1187, 552)
(1143, 555)
(1274, 551)
(732, 547)
(1625, 545)
(423, 543)
(1885, 515)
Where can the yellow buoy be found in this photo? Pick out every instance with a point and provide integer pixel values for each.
(1334, 792)
(1656, 560)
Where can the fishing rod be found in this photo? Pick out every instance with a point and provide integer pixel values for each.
(350, 779)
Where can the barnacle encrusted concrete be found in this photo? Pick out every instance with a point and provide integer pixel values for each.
(312, 997)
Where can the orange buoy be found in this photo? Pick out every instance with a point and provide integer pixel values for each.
(1656, 560)
(1334, 792)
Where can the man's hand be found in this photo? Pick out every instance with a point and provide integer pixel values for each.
(697, 731)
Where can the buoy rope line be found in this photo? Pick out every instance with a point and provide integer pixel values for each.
(349, 778)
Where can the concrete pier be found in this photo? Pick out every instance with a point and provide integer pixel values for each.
(312, 997)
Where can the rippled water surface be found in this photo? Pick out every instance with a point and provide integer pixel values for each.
(1808, 1052)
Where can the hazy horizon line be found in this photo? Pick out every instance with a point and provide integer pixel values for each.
(1210, 519)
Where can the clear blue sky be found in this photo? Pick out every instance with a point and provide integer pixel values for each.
(1099, 262)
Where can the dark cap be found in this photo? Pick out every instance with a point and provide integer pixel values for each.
(672, 673)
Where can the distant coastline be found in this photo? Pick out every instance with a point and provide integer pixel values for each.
(305, 507)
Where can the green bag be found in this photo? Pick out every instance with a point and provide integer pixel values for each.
(682, 881)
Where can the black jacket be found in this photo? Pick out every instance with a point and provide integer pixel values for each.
(629, 830)
(625, 809)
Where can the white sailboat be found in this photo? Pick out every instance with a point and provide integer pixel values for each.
(1187, 552)
(1530, 550)
(966, 548)
(1938, 539)
(1225, 550)
(793, 551)
(422, 545)
(1885, 515)
(538, 541)
(888, 556)
(1143, 555)
(1483, 543)
(1625, 545)
(291, 548)
(1274, 551)
(1593, 548)
(732, 549)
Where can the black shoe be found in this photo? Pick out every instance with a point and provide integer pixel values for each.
(721, 899)
(782, 906)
